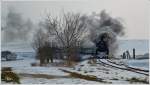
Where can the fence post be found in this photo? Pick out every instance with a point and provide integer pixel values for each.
(124, 55)
(128, 54)
(133, 53)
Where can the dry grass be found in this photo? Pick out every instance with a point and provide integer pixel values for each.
(86, 77)
(42, 76)
(134, 80)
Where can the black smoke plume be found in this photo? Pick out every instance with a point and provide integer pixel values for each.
(103, 23)
(16, 28)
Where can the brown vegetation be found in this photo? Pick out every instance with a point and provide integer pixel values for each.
(8, 76)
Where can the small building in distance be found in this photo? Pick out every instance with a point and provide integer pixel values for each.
(7, 55)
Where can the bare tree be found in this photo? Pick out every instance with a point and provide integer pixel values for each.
(38, 43)
(43, 45)
(69, 32)
(38, 39)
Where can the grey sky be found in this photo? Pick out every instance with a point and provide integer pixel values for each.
(135, 13)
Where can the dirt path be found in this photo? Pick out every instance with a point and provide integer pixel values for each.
(85, 77)
(41, 76)
(71, 75)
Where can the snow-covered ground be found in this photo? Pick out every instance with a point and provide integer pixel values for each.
(108, 74)
(24, 67)
(143, 63)
(28, 80)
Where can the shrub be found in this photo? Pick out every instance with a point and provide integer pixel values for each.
(138, 80)
(85, 71)
(107, 72)
(114, 79)
(9, 76)
(6, 69)
(34, 64)
(121, 77)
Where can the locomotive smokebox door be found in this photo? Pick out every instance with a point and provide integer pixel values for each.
(102, 49)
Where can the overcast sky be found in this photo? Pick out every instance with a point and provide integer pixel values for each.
(133, 12)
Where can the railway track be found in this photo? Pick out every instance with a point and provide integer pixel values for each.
(128, 66)
(123, 67)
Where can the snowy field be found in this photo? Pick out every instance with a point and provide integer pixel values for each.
(24, 67)
(108, 74)
(143, 64)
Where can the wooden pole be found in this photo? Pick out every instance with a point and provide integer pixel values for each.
(121, 56)
(128, 54)
(124, 55)
(133, 53)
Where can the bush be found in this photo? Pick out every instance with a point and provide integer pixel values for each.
(85, 72)
(6, 69)
(114, 79)
(8, 76)
(34, 64)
